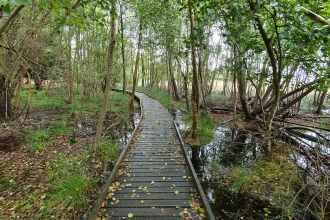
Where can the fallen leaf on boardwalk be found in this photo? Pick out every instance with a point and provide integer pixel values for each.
(116, 202)
(142, 201)
(130, 215)
(176, 192)
(152, 183)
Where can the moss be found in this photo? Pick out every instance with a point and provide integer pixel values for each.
(274, 182)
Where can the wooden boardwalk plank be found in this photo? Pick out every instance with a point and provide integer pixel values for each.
(155, 180)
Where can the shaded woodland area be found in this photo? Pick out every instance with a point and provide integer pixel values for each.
(265, 57)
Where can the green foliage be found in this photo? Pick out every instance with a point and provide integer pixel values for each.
(242, 178)
(69, 184)
(38, 139)
(215, 166)
(39, 100)
(60, 128)
(108, 151)
(218, 98)
(162, 96)
(121, 101)
(7, 183)
(7, 4)
(254, 180)
(205, 126)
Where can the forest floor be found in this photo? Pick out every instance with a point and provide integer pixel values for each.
(34, 155)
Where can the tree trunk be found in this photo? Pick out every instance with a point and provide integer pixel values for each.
(170, 68)
(122, 47)
(294, 101)
(111, 50)
(70, 74)
(143, 71)
(241, 81)
(276, 68)
(5, 22)
(131, 104)
(200, 70)
(319, 108)
(5, 106)
(195, 89)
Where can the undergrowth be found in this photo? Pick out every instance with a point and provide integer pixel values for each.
(205, 126)
(108, 151)
(275, 182)
(69, 184)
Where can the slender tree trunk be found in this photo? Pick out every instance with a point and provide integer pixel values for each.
(276, 73)
(131, 104)
(195, 89)
(235, 97)
(294, 101)
(319, 108)
(5, 22)
(5, 106)
(170, 68)
(143, 71)
(111, 50)
(69, 69)
(200, 70)
(122, 47)
(242, 87)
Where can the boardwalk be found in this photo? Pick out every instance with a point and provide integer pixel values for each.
(155, 180)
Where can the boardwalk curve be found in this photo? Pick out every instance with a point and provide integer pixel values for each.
(156, 180)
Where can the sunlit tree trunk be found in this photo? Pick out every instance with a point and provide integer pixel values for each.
(111, 50)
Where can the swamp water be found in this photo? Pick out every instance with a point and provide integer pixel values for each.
(230, 148)
(120, 130)
(212, 161)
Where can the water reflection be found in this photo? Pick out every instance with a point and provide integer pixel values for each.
(114, 129)
(229, 146)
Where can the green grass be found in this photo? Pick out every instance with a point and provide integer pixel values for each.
(162, 96)
(121, 100)
(93, 102)
(60, 128)
(39, 100)
(7, 183)
(69, 193)
(108, 151)
(274, 181)
(205, 126)
(242, 178)
(217, 98)
(215, 166)
(38, 140)
(69, 184)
